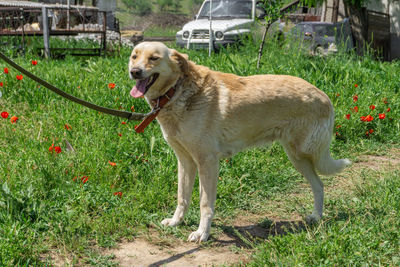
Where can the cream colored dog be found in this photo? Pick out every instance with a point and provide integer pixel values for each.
(213, 115)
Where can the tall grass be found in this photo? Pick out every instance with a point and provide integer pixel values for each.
(71, 201)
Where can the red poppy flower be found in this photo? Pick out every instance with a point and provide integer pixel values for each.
(57, 149)
(385, 100)
(119, 134)
(14, 119)
(366, 118)
(355, 109)
(67, 127)
(337, 127)
(51, 147)
(348, 116)
(123, 122)
(112, 163)
(34, 62)
(382, 116)
(19, 77)
(84, 179)
(355, 85)
(372, 107)
(6, 70)
(388, 110)
(118, 194)
(1, 84)
(4, 114)
(355, 98)
(371, 131)
(111, 85)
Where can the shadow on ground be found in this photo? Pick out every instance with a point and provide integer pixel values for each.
(246, 236)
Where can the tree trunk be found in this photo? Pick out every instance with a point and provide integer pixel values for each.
(359, 26)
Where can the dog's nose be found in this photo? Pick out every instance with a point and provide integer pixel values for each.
(136, 73)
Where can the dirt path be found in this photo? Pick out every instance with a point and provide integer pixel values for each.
(143, 253)
(232, 245)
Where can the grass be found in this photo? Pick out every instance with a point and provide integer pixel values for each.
(44, 208)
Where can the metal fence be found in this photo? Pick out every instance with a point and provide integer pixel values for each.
(24, 19)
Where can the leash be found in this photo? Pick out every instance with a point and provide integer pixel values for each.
(158, 105)
(148, 117)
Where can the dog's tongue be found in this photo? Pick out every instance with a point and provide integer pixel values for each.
(139, 89)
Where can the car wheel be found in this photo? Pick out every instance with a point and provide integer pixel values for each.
(319, 51)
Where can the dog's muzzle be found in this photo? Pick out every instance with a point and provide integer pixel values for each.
(136, 73)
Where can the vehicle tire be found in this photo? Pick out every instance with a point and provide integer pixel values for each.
(319, 51)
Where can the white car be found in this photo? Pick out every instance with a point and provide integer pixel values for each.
(231, 20)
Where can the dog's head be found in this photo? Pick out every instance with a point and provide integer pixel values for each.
(156, 68)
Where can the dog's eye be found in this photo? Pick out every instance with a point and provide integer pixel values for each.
(154, 58)
(134, 57)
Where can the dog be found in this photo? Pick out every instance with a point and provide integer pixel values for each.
(213, 115)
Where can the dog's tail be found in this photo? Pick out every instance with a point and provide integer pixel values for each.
(326, 165)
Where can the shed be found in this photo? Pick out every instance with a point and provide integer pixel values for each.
(377, 23)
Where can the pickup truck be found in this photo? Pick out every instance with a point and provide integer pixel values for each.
(231, 20)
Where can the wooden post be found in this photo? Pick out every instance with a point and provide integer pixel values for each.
(22, 20)
(46, 32)
(68, 15)
(104, 31)
(335, 11)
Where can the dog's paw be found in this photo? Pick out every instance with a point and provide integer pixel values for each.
(313, 218)
(198, 236)
(170, 222)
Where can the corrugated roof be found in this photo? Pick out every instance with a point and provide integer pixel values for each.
(40, 5)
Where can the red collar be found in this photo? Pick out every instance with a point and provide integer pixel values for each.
(159, 104)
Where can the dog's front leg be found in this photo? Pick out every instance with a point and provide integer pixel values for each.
(208, 174)
(186, 178)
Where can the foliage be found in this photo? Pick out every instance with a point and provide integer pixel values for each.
(272, 9)
(354, 3)
(141, 7)
(117, 183)
(169, 5)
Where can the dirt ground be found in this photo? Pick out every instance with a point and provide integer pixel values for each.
(232, 246)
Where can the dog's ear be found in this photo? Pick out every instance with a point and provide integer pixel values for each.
(180, 59)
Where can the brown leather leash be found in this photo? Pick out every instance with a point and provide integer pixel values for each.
(159, 104)
(146, 117)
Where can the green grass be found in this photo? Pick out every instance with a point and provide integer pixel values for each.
(42, 206)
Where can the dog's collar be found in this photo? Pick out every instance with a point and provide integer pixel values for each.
(159, 103)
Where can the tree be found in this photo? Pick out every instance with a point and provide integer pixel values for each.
(141, 7)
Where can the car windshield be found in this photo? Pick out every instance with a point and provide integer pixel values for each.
(226, 9)
(325, 30)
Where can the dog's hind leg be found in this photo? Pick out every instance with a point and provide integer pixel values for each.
(208, 175)
(305, 166)
(186, 178)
